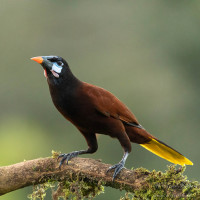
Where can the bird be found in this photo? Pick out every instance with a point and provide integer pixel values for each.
(94, 110)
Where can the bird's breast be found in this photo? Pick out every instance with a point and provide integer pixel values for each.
(80, 111)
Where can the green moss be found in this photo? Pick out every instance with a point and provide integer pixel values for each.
(73, 189)
(39, 191)
(169, 185)
(55, 154)
(82, 189)
(142, 171)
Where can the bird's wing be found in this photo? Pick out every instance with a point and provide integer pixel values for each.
(109, 105)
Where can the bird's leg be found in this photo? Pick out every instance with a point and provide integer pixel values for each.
(118, 167)
(125, 143)
(92, 147)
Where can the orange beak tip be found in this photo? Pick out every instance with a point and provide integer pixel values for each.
(37, 59)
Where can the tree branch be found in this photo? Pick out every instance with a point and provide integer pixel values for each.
(37, 171)
(41, 170)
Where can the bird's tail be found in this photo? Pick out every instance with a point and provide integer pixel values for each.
(164, 151)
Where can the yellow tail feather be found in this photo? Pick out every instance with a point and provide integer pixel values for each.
(166, 152)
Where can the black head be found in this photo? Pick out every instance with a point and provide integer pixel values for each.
(54, 66)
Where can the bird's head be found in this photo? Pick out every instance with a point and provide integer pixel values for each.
(54, 66)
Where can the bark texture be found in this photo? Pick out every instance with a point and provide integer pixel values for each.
(38, 171)
(141, 182)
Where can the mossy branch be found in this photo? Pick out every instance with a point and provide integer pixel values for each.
(141, 182)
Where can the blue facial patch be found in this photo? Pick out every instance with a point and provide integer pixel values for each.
(57, 68)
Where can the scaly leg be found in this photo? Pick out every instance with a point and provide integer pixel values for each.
(125, 143)
(118, 167)
(92, 147)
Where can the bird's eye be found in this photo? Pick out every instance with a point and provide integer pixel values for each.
(59, 63)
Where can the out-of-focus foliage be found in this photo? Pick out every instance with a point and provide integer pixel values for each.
(145, 52)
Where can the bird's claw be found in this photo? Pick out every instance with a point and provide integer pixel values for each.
(67, 157)
(60, 156)
(118, 167)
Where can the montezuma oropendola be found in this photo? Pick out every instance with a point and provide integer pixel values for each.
(95, 110)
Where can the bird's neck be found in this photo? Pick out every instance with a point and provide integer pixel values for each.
(68, 80)
(63, 88)
(63, 92)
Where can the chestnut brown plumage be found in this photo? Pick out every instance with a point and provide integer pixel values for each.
(95, 110)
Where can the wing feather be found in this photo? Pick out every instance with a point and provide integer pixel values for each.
(109, 105)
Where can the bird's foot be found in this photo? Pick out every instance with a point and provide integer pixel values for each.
(118, 167)
(67, 157)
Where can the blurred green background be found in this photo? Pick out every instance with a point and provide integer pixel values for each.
(145, 52)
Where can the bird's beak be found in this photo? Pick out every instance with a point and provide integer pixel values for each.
(38, 59)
